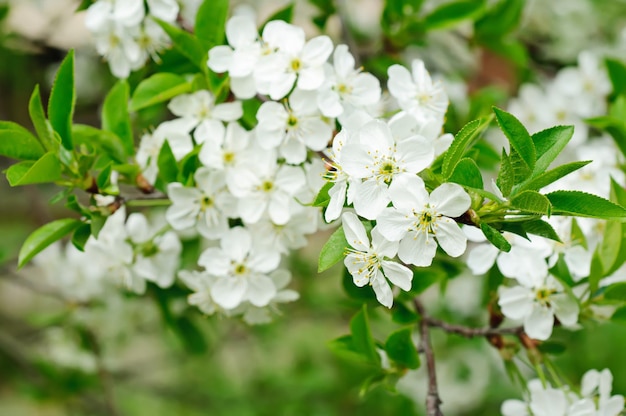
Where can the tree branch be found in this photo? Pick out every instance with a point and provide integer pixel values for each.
(469, 332)
(432, 398)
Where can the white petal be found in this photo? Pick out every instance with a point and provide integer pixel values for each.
(370, 198)
(418, 249)
(355, 232)
(241, 31)
(228, 111)
(243, 87)
(450, 200)
(514, 408)
(481, 258)
(261, 290)
(565, 308)
(393, 224)
(450, 237)
(343, 61)
(236, 244)
(311, 78)
(316, 51)
(398, 274)
(220, 58)
(382, 290)
(228, 292)
(538, 325)
(516, 302)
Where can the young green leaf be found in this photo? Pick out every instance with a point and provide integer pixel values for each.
(619, 316)
(461, 142)
(518, 137)
(400, 348)
(322, 199)
(451, 13)
(187, 44)
(115, 117)
(541, 228)
(168, 168)
(495, 237)
(596, 272)
(611, 249)
(20, 144)
(40, 122)
(362, 336)
(285, 14)
(549, 143)
(104, 141)
(615, 126)
(532, 201)
(500, 19)
(545, 179)
(467, 173)
(81, 235)
(616, 291)
(43, 237)
(46, 169)
(333, 251)
(617, 74)
(505, 179)
(582, 204)
(158, 88)
(211, 22)
(62, 101)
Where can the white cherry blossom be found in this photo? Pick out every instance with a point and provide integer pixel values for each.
(370, 263)
(420, 221)
(346, 86)
(536, 301)
(295, 61)
(293, 127)
(416, 92)
(378, 160)
(242, 270)
(206, 206)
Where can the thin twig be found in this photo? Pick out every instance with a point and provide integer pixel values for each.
(469, 332)
(432, 398)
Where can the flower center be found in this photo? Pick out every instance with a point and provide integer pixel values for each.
(205, 203)
(296, 65)
(229, 157)
(543, 295)
(292, 121)
(240, 269)
(267, 186)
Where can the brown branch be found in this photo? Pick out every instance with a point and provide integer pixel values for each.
(469, 332)
(432, 398)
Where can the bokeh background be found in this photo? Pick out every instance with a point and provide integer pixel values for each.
(124, 355)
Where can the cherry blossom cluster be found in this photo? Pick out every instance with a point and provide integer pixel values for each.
(544, 400)
(125, 32)
(576, 93)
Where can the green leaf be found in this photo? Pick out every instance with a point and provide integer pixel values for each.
(582, 204)
(549, 143)
(211, 22)
(104, 177)
(518, 137)
(285, 14)
(115, 117)
(532, 201)
(403, 315)
(40, 122)
(541, 228)
(506, 175)
(103, 141)
(450, 14)
(614, 126)
(80, 236)
(168, 168)
(20, 144)
(322, 199)
(500, 19)
(461, 142)
(362, 336)
(361, 294)
(596, 272)
(611, 249)
(400, 348)
(189, 333)
(157, 89)
(619, 316)
(551, 176)
(617, 74)
(187, 45)
(333, 251)
(551, 347)
(43, 237)
(250, 108)
(46, 169)
(616, 291)
(62, 101)
(467, 173)
(495, 237)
